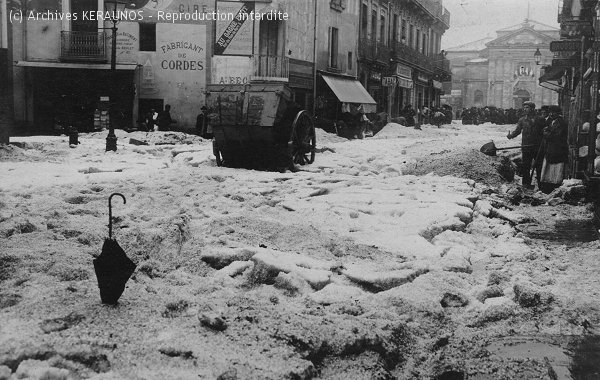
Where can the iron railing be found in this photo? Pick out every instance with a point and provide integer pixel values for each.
(373, 50)
(270, 67)
(436, 10)
(84, 46)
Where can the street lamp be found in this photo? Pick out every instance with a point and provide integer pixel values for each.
(114, 7)
(537, 56)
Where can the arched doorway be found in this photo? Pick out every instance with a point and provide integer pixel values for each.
(520, 97)
(478, 98)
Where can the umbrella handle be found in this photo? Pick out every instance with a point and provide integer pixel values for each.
(110, 212)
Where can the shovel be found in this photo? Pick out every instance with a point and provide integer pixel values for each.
(491, 150)
(113, 268)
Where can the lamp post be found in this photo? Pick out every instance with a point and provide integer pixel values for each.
(115, 7)
(537, 56)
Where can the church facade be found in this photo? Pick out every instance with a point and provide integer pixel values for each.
(501, 71)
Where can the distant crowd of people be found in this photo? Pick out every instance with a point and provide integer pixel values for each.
(490, 114)
(411, 117)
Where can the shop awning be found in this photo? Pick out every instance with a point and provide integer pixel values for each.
(351, 91)
(70, 65)
(551, 79)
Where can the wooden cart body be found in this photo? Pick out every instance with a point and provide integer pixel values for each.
(258, 124)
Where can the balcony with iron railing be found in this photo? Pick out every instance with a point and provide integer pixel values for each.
(82, 46)
(373, 50)
(435, 10)
(436, 63)
(270, 68)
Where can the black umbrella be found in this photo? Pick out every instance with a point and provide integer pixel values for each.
(113, 267)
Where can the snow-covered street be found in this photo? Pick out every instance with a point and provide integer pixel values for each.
(362, 265)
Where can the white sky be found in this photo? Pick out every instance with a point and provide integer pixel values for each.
(471, 20)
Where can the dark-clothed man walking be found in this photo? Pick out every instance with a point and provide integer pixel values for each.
(165, 120)
(532, 129)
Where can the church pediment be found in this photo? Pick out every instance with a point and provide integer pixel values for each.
(524, 36)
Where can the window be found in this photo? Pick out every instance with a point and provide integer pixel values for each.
(382, 29)
(147, 37)
(395, 29)
(365, 21)
(424, 47)
(374, 24)
(410, 40)
(403, 37)
(418, 41)
(333, 47)
(350, 63)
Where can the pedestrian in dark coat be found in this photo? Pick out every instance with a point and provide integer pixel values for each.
(409, 114)
(531, 129)
(202, 124)
(165, 120)
(556, 151)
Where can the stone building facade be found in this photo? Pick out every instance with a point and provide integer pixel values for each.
(401, 40)
(501, 71)
(64, 66)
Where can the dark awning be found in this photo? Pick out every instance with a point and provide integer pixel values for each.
(552, 78)
(351, 91)
(552, 73)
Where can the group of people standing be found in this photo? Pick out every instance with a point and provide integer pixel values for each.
(426, 115)
(158, 121)
(544, 146)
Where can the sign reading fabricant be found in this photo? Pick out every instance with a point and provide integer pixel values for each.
(565, 46)
(234, 35)
(182, 49)
(565, 62)
(388, 81)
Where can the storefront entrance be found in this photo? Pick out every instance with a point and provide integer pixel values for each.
(70, 96)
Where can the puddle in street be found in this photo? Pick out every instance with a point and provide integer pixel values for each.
(566, 231)
(567, 357)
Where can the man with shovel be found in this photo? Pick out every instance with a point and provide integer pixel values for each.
(532, 128)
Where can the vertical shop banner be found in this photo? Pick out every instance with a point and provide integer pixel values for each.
(234, 36)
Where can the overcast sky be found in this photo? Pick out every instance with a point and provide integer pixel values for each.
(471, 20)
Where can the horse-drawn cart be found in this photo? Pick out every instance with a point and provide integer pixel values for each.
(258, 125)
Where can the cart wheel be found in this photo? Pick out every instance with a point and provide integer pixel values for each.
(303, 140)
(217, 153)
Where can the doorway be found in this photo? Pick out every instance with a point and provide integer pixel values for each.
(520, 97)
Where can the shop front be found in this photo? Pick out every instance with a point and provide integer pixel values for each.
(60, 98)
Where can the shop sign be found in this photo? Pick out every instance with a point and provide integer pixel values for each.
(456, 93)
(565, 46)
(405, 83)
(375, 76)
(403, 71)
(422, 78)
(388, 81)
(437, 84)
(565, 62)
(575, 29)
(234, 37)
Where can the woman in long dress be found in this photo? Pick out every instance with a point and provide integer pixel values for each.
(556, 151)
